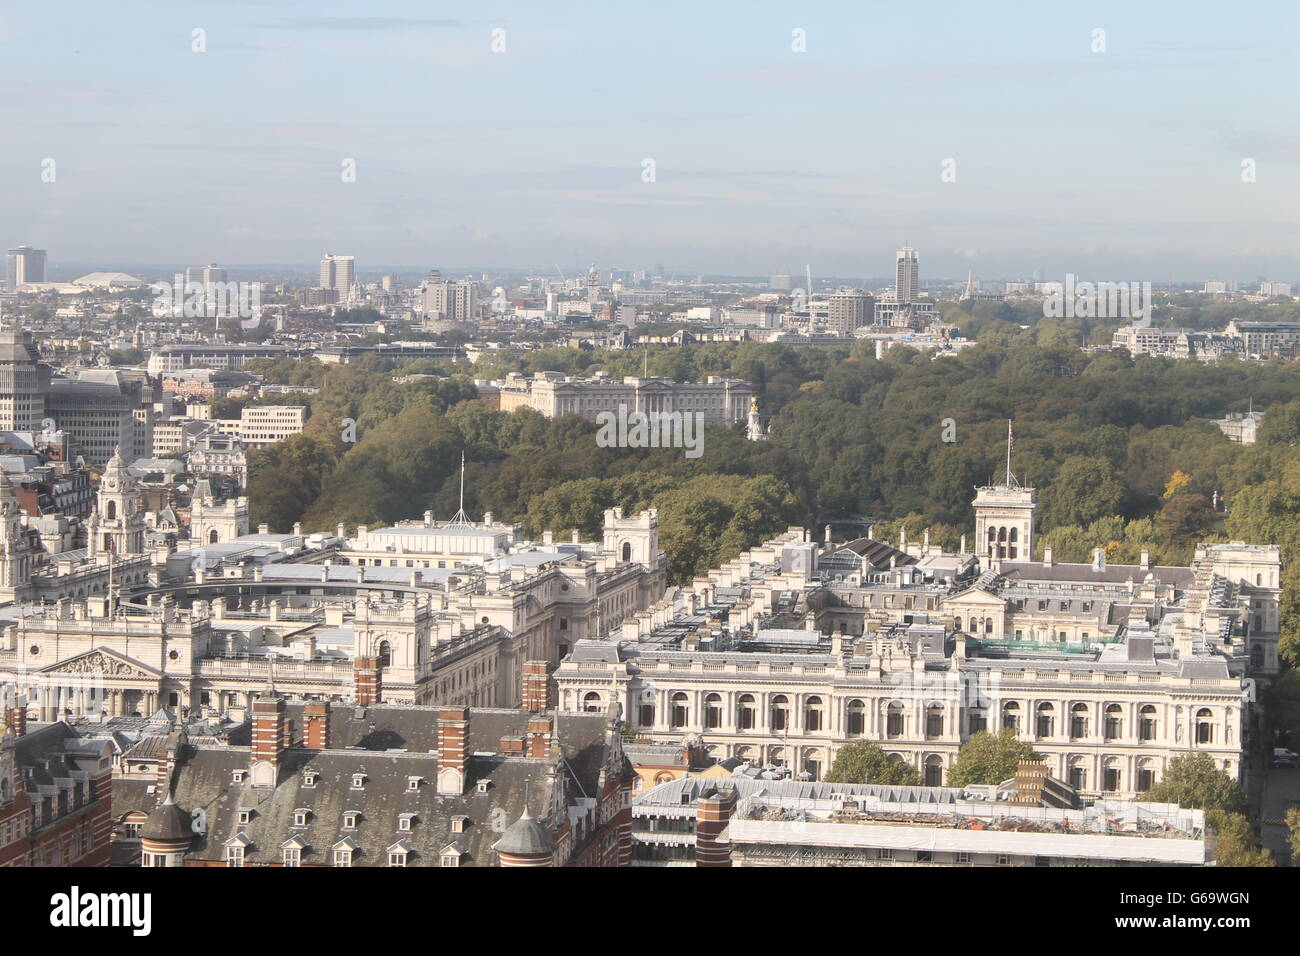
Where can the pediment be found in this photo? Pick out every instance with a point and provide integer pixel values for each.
(976, 596)
(103, 662)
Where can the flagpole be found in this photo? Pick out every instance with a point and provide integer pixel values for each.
(1009, 440)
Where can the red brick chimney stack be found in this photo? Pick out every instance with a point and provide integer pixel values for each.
(539, 738)
(368, 681)
(268, 727)
(712, 814)
(316, 720)
(453, 749)
(536, 688)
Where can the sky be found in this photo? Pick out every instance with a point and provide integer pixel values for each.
(992, 137)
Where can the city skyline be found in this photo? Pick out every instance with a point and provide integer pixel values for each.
(1002, 136)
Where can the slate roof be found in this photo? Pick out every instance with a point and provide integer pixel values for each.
(394, 745)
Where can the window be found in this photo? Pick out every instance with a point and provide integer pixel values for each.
(979, 721)
(962, 859)
(1110, 778)
(680, 710)
(235, 855)
(780, 713)
(934, 721)
(713, 711)
(1078, 721)
(300, 817)
(291, 856)
(1147, 723)
(745, 710)
(397, 858)
(413, 783)
(1077, 777)
(358, 781)
(350, 819)
(1011, 716)
(483, 785)
(342, 856)
(309, 778)
(591, 703)
(404, 822)
(237, 776)
(857, 718)
(1204, 726)
(894, 719)
(812, 714)
(451, 859)
(245, 816)
(1002, 859)
(1046, 713)
(647, 715)
(1111, 727)
(885, 853)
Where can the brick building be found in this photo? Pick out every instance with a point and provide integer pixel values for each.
(55, 795)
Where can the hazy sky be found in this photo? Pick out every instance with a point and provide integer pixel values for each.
(1125, 164)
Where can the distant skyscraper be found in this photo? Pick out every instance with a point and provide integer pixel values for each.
(849, 310)
(22, 265)
(452, 301)
(205, 275)
(338, 273)
(906, 275)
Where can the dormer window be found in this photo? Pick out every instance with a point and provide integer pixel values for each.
(300, 817)
(399, 852)
(405, 821)
(309, 778)
(413, 783)
(458, 824)
(358, 781)
(342, 856)
(483, 785)
(238, 776)
(350, 819)
(245, 816)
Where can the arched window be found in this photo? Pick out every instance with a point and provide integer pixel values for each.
(1110, 775)
(1146, 775)
(1147, 725)
(1259, 579)
(1112, 726)
(385, 653)
(648, 714)
(812, 714)
(956, 625)
(1011, 716)
(1012, 550)
(680, 710)
(745, 711)
(713, 711)
(857, 718)
(110, 512)
(988, 625)
(213, 536)
(1077, 775)
(1078, 721)
(780, 712)
(894, 719)
(1204, 726)
(591, 703)
(1257, 655)
(1046, 715)
(934, 721)
(934, 771)
(627, 550)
